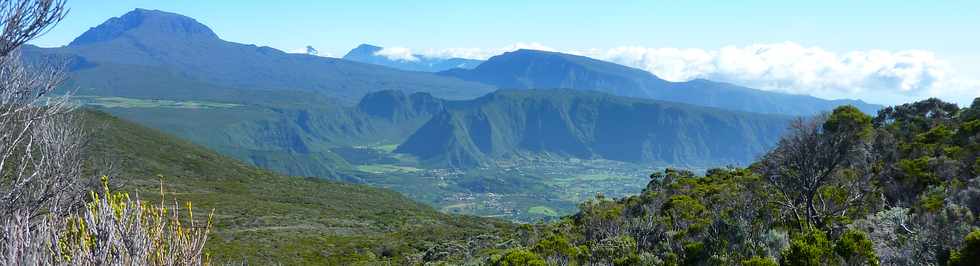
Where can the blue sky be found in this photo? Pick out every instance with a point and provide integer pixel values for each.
(945, 29)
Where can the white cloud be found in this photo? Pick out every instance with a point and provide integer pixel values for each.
(873, 75)
(397, 53)
(306, 50)
(482, 53)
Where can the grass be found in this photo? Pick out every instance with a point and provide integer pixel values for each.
(591, 177)
(542, 210)
(386, 168)
(389, 148)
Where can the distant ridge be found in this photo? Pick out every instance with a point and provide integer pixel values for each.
(532, 69)
(173, 43)
(590, 125)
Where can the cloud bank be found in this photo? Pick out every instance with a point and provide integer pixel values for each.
(877, 76)
(397, 53)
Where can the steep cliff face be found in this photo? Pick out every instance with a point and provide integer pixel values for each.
(590, 125)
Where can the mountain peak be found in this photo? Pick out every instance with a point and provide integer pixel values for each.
(362, 51)
(146, 23)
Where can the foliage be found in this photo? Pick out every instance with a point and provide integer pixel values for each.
(810, 248)
(855, 248)
(759, 261)
(584, 125)
(969, 254)
(266, 218)
(115, 229)
(517, 257)
(896, 189)
(111, 229)
(821, 170)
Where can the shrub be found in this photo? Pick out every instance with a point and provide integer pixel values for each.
(969, 254)
(517, 257)
(856, 248)
(808, 249)
(112, 229)
(759, 261)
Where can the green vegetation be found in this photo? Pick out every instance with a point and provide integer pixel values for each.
(386, 168)
(587, 125)
(542, 210)
(264, 218)
(871, 206)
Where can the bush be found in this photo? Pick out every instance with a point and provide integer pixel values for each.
(808, 249)
(856, 249)
(517, 257)
(113, 229)
(969, 254)
(759, 261)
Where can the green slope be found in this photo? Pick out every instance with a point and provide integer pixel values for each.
(264, 217)
(295, 139)
(589, 125)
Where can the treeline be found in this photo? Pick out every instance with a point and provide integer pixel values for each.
(845, 188)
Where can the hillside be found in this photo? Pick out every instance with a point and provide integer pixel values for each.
(590, 125)
(263, 217)
(903, 189)
(366, 53)
(531, 69)
(181, 46)
(294, 138)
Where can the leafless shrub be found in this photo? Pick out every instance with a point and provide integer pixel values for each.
(113, 229)
(24, 20)
(819, 176)
(40, 140)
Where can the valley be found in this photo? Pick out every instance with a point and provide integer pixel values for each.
(528, 189)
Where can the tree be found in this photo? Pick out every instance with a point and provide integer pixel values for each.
(820, 169)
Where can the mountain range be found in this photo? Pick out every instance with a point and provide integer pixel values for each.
(366, 53)
(590, 125)
(163, 42)
(287, 112)
(532, 69)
